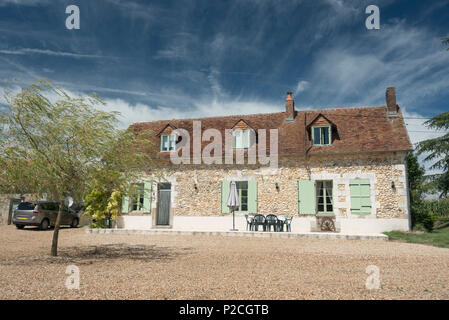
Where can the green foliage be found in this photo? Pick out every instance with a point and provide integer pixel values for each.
(424, 219)
(437, 151)
(54, 144)
(416, 178)
(426, 213)
(440, 208)
(438, 238)
(102, 205)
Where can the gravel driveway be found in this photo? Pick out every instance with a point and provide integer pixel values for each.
(214, 267)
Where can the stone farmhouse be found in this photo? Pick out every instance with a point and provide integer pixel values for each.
(345, 163)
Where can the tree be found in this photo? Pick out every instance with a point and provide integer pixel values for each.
(437, 150)
(416, 178)
(446, 42)
(64, 145)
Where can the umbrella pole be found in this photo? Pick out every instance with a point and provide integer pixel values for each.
(233, 221)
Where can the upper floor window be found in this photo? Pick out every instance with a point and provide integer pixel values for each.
(241, 139)
(168, 142)
(321, 136)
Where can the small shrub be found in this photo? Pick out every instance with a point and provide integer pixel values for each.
(424, 219)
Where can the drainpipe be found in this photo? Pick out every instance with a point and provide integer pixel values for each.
(306, 151)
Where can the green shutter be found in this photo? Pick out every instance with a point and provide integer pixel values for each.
(125, 204)
(252, 196)
(360, 196)
(306, 197)
(225, 186)
(354, 190)
(147, 197)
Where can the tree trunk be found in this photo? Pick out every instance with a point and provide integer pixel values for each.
(54, 244)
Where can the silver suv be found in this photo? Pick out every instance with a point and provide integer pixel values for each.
(43, 214)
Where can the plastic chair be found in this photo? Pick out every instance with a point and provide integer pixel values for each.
(288, 224)
(249, 222)
(259, 220)
(271, 220)
(281, 222)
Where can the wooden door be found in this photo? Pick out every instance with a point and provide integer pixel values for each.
(163, 209)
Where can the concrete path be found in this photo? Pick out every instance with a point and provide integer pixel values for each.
(310, 235)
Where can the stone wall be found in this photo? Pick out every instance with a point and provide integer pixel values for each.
(4, 208)
(5, 203)
(380, 168)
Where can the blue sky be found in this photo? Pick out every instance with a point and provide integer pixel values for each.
(169, 59)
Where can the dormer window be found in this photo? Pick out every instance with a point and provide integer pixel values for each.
(241, 138)
(168, 142)
(321, 135)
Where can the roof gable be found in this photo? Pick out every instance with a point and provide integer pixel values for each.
(241, 125)
(167, 129)
(320, 120)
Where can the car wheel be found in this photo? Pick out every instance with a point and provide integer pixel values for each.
(44, 224)
(18, 226)
(74, 223)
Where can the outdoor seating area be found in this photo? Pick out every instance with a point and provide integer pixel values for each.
(268, 223)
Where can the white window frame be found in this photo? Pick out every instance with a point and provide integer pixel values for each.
(238, 138)
(321, 142)
(171, 138)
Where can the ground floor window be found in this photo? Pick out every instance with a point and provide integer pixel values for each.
(247, 193)
(242, 189)
(324, 197)
(138, 195)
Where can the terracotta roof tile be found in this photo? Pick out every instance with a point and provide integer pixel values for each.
(363, 129)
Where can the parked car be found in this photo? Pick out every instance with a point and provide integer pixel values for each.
(43, 214)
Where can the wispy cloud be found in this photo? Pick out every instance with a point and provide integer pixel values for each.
(357, 72)
(301, 86)
(31, 51)
(4, 3)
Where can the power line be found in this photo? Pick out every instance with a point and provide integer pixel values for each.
(427, 131)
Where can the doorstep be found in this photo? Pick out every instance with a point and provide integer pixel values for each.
(308, 235)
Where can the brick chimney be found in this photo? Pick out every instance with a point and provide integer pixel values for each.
(390, 95)
(290, 107)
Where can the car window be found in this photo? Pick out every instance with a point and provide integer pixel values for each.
(26, 206)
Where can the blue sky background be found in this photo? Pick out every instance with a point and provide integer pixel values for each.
(169, 59)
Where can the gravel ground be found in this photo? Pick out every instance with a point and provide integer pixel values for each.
(215, 267)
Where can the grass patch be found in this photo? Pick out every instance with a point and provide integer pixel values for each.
(437, 238)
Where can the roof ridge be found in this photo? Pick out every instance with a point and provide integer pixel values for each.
(256, 114)
(213, 117)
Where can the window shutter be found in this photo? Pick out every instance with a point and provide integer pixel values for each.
(306, 197)
(125, 204)
(147, 197)
(360, 196)
(225, 187)
(354, 190)
(252, 196)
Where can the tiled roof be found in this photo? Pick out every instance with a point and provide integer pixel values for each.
(363, 129)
